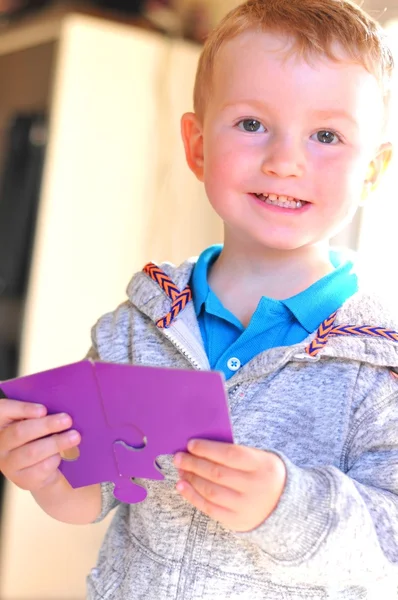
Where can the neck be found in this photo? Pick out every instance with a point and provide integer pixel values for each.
(243, 274)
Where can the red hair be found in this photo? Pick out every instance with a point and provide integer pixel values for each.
(314, 25)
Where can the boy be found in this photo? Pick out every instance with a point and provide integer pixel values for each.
(287, 137)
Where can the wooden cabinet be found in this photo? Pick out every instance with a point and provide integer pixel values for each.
(116, 194)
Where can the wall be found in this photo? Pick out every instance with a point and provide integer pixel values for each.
(116, 194)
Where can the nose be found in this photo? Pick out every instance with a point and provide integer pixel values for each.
(283, 158)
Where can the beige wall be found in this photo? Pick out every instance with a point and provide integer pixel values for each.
(116, 194)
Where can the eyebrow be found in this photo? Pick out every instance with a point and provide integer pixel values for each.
(325, 115)
(336, 114)
(255, 103)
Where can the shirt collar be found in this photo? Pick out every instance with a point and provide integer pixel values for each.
(325, 296)
(199, 283)
(322, 298)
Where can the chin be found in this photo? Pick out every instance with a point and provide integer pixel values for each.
(284, 245)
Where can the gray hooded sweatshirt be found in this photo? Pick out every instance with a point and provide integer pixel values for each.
(327, 406)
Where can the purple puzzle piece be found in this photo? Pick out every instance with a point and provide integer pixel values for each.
(127, 416)
(74, 389)
(171, 407)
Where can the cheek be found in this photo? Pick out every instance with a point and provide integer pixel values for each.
(226, 165)
(342, 174)
(220, 168)
(222, 177)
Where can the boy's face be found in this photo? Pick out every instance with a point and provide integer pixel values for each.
(280, 126)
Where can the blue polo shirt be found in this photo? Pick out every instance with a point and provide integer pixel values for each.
(229, 345)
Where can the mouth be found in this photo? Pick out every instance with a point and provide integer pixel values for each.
(281, 201)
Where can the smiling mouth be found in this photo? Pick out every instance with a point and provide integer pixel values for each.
(282, 201)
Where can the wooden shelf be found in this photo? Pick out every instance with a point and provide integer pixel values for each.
(45, 26)
(28, 36)
(31, 31)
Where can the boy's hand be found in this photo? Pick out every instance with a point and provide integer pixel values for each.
(31, 442)
(237, 486)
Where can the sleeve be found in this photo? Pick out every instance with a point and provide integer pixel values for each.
(109, 337)
(108, 501)
(343, 522)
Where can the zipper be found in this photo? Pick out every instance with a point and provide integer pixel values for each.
(182, 350)
(233, 389)
(233, 397)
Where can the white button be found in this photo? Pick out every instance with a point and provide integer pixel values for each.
(234, 364)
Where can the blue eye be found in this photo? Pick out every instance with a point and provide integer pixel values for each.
(251, 126)
(327, 137)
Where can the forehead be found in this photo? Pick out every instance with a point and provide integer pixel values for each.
(263, 66)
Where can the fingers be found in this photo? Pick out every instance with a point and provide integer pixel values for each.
(30, 449)
(13, 410)
(22, 432)
(212, 492)
(228, 455)
(39, 450)
(231, 478)
(42, 472)
(40, 475)
(208, 506)
(238, 486)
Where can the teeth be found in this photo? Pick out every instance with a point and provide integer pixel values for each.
(283, 201)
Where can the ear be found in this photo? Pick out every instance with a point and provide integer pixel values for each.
(376, 170)
(192, 136)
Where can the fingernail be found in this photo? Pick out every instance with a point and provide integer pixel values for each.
(177, 460)
(73, 436)
(191, 445)
(64, 418)
(180, 486)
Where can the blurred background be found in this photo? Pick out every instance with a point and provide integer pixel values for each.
(93, 185)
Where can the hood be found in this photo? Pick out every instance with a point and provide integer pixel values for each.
(363, 329)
